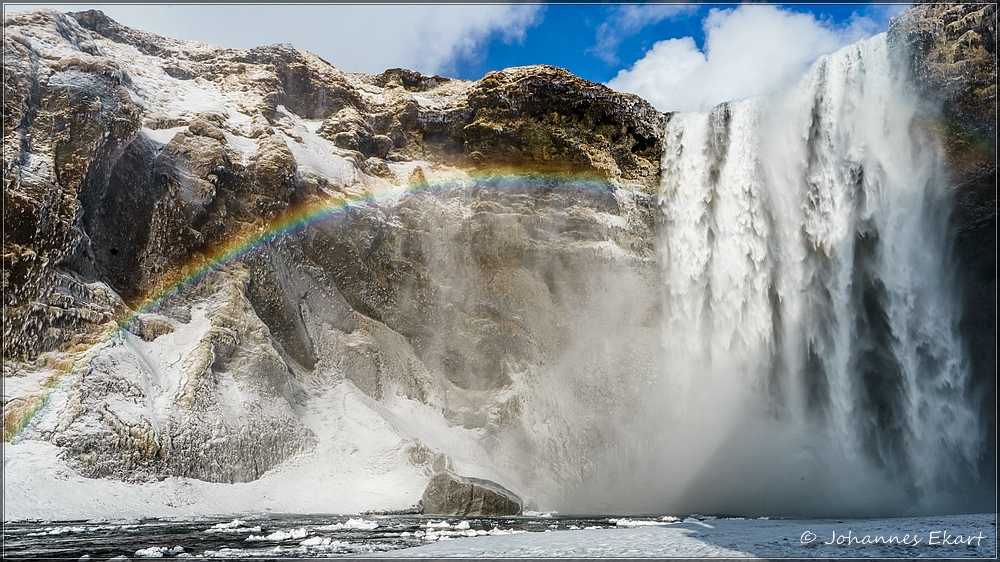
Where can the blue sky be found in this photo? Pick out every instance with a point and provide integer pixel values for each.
(716, 51)
(567, 35)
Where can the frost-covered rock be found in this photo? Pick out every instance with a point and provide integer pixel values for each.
(211, 399)
(450, 494)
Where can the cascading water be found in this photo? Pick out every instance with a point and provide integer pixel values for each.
(812, 361)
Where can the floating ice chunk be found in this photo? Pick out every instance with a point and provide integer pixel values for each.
(234, 526)
(223, 526)
(355, 523)
(151, 552)
(57, 531)
(632, 523)
(462, 525)
(438, 525)
(279, 535)
(316, 541)
(361, 524)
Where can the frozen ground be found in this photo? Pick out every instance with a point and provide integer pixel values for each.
(952, 536)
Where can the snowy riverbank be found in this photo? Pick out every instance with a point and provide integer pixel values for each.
(950, 536)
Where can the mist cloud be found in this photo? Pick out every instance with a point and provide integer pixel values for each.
(750, 50)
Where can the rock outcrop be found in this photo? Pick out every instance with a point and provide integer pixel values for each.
(450, 494)
(547, 118)
(201, 393)
(952, 56)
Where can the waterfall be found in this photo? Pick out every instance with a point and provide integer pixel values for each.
(810, 316)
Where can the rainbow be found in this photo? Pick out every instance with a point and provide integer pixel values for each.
(294, 220)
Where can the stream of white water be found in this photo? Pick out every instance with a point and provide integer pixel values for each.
(810, 311)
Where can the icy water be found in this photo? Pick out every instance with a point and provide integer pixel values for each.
(263, 536)
(312, 536)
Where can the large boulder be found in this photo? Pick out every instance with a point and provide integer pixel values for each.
(450, 494)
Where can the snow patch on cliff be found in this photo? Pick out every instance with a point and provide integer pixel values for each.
(162, 136)
(358, 464)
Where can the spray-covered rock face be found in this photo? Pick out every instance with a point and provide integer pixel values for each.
(248, 266)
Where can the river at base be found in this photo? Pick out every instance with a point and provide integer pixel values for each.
(254, 536)
(541, 534)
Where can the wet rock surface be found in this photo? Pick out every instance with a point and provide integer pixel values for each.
(953, 59)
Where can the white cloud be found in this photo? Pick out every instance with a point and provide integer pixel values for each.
(750, 50)
(628, 20)
(355, 37)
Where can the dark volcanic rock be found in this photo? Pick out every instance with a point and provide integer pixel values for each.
(952, 53)
(450, 494)
(545, 117)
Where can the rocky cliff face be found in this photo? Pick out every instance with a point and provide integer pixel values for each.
(478, 252)
(130, 156)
